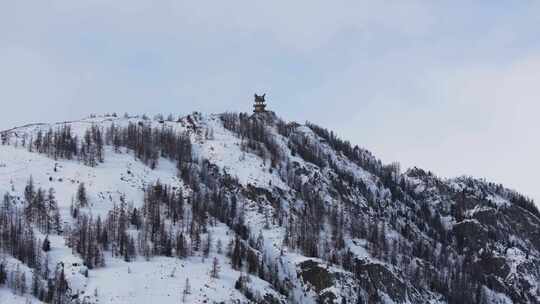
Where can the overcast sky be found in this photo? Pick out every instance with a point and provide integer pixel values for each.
(453, 87)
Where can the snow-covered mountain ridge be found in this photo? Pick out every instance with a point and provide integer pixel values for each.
(252, 209)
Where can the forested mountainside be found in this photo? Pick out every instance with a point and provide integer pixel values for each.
(238, 208)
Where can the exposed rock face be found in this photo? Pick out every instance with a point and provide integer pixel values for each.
(326, 283)
(470, 234)
(316, 275)
(378, 280)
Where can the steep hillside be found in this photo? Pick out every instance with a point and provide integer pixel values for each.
(241, 208)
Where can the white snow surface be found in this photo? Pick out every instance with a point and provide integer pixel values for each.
(160, 280)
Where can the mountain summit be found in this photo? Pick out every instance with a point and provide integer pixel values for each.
(240, 208)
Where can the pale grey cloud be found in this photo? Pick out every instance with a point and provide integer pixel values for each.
(447, 85)
(478, 121)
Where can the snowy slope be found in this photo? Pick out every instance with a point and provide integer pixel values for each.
(412, 211)
(122, 175)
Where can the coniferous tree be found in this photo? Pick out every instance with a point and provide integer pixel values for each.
(186, 291)
(53, 213)
(46, 246)
(36, 284)
(61, 287)
(82, 198)
(29, 191)
(236, 256)
(214, 273)
(3, 274)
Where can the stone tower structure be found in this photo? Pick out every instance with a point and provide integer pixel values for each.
(260, 104)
